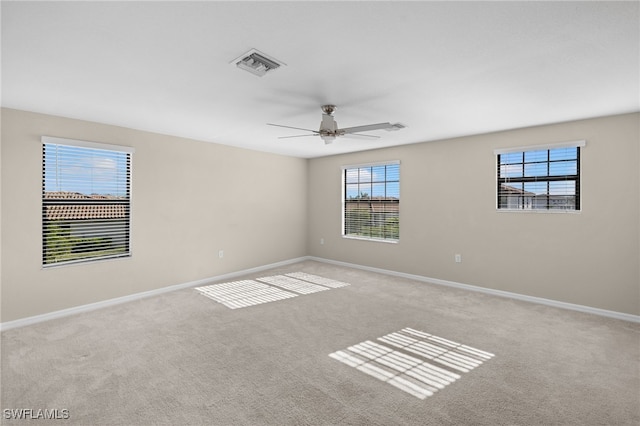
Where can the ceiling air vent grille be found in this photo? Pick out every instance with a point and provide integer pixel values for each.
(257, 63)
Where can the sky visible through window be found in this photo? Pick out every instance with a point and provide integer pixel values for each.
(85, 170)
(375, 181)
(542, 163)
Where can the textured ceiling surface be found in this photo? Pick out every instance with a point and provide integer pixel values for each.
(444, 69)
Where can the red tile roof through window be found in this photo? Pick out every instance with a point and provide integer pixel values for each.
(83, 211)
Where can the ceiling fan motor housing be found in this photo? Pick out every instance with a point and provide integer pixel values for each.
(328, 125)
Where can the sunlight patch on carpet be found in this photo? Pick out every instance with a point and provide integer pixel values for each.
(460, 357)
(327, 282)
(240, 294)
(292, 284)
(432, 364)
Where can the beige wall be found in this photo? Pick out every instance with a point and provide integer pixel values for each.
(448, 206)
(190, 199)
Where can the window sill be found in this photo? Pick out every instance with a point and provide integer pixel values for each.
(377, 240)
(539, 211)
(85, 262)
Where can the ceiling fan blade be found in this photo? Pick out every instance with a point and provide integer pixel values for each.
(290, 127)
(366, 128)
(296, 136)
(359, 136)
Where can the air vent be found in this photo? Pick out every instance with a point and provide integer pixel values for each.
(257, 63)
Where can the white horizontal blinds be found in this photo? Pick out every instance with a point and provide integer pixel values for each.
(372, 201)
(86, 202)
(540, 178)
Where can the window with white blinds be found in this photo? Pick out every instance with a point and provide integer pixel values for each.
(540, 178)
(371, 201)
(86, 201)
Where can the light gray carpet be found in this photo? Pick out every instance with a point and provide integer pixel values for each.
(183, 358)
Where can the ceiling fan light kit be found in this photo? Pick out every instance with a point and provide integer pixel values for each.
(329, 129)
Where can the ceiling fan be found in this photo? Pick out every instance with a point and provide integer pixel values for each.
(329, 130)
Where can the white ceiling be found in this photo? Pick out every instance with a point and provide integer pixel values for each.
(444, 69)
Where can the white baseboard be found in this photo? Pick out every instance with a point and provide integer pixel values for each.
(118, 300)
(539, 300)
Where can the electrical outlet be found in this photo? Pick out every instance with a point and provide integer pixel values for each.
(458, 258)
(220, 254)
(321, 241)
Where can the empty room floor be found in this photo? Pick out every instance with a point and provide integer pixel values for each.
(312, 343)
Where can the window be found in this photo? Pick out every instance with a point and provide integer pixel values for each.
(540, 178)
(86, 201)
(371, 201)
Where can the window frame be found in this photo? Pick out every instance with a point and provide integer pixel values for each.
(124, 202)
(344, 200)
(577, 177)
